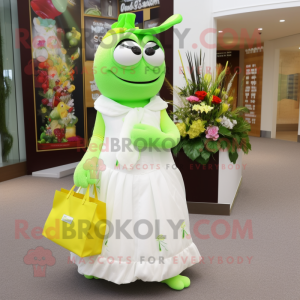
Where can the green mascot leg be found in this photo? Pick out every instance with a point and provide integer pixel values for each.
(90, 277)
(178, 282)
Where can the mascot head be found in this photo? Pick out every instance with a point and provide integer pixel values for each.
(129, 64)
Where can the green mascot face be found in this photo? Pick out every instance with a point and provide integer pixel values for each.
(130, 63)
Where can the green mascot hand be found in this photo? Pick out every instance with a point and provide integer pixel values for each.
(143, 135)
(87, 171)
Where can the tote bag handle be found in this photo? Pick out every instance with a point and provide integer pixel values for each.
(87, 194)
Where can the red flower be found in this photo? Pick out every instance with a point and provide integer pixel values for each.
(216, 100)
(201, 95)
(45, 101)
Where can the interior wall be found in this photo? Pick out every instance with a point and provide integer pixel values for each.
(223, 8)
(197, 20)
(165, 11)
(270, 80)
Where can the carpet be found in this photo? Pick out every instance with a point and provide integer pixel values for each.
(260, 263)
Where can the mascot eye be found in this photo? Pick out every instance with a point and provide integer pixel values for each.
(153, 54)
(127, 53)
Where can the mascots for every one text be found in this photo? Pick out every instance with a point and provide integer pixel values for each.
(143, 191)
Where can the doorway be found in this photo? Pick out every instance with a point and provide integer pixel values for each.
(288, 95)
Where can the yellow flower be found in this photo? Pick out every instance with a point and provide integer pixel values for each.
(230, 99)
(207, 108)
(223, 109)
(66, 83)
(196, 128)
(63, 51)
(71, 88)
(218, 120)
(182, 129)
(197, 107)
(64, 80)
(217, 92)
(44, 110)
(202, 108)
(207, 78)
(75, 33)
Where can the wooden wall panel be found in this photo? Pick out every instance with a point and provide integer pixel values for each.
(13, 171)
(253, 68)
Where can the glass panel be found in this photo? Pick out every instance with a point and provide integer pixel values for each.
(11, 107)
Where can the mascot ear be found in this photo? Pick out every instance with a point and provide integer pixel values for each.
(173, 20)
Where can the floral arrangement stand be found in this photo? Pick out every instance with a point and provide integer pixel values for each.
(213, 137)
(211, 188)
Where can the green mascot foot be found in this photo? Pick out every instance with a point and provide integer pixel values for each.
(90, 277)
(178, 282)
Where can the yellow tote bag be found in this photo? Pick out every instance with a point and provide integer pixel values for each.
(77, 222)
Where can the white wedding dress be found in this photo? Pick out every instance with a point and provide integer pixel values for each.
(146, 197)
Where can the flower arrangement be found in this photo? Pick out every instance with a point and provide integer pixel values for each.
(205, 118)
(54, 74)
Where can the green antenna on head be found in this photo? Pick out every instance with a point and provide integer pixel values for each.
(126, 21)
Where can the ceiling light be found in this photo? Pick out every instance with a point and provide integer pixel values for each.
(260, 29)
(281, 21)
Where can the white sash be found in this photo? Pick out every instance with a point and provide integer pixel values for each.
(133, 116)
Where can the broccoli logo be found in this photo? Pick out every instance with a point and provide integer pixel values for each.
(39, 258)
(94, 166)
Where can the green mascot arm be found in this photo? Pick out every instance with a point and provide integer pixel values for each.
(169, 128)
(87, 170)
(148, 136)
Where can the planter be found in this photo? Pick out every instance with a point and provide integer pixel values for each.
(212, 188)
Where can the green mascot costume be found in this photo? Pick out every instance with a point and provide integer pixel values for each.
(149, 235)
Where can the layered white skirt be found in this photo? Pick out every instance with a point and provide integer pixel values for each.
(148, 235)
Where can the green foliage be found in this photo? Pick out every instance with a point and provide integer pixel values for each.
(193, 147)
(233, 157)
(202, 161)
(224, 131)
(212, 146)
(7, 139)
(223, 144)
